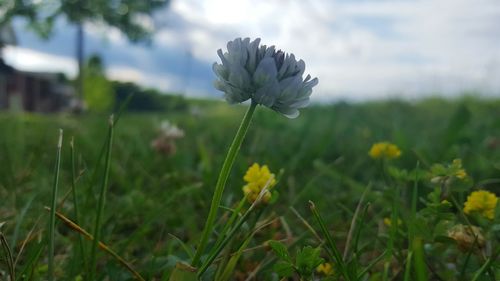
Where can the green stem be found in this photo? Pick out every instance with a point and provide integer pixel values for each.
(102, 199)
(221, 182)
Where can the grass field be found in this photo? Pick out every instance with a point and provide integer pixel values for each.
(156, 205)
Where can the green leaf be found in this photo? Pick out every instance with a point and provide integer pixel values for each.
(307, 260)
(283, 269)
(280, 250)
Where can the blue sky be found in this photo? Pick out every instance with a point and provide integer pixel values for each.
(359, 49)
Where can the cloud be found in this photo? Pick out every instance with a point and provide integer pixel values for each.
(357, 49)
(361, 48)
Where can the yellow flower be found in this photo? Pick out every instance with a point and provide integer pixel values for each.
(257, 179)
(460, 173)
(467, 237)
(388, 222)
(384, 150)
(483, 202)
(325, 268)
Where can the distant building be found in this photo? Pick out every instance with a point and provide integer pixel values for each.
(30, 91)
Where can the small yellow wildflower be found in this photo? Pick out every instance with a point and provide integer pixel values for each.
(325, 268)
(388, 222)
(460, 173)
(384, 150)
(467, 237)
(257, 179)
(483, 202)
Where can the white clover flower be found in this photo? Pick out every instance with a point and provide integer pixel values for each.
(170, 130)
(164, 143)
(268, 77)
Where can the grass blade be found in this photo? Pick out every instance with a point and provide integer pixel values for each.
(25, 242)
(371, 265)
(102, 199)
(8, 256)
(93, 177)
(331, 243)
(306, 224)
(354, 223)
(20, 220)
(227, 227)
(33, 257)
(419, 260)
(408, 266)
(101, 245)
(186, 248)
(52, 217)
(481, 270)
(229, 268)
(75, 199)
(219, 247)
(361, 227)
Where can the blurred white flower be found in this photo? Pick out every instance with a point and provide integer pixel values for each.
(268, 77)
(165, 142)
(170, 130)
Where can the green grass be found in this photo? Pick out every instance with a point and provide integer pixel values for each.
(156, 206)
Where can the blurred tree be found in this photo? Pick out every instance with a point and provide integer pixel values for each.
(147, 99)
(99, 94)
(132, 17)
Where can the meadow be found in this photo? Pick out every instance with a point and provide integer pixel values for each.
(336, 213)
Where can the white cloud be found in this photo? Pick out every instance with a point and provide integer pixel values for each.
(434, 45)
(356, 48)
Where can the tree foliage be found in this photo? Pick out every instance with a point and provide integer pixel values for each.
(146, 99)
(133, 18)
(99, 95)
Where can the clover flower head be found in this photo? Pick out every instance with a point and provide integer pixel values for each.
(164, 143)
(384, 150)
(483, 202)
(467, 237)
(263, 74)
(325, 269)
(257, 179)
(169, 130)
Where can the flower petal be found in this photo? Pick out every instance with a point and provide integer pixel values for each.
(288, 112)
(266, 71)
(267, 94)
(238, 76)
(220, 70)
(253, 51)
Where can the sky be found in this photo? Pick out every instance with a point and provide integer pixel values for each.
(358, 49)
